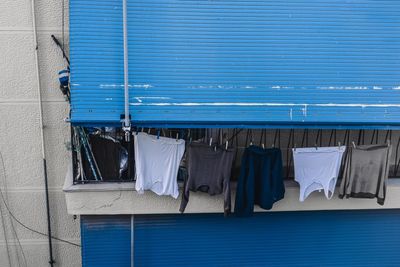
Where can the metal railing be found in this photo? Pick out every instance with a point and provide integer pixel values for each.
(87, 167)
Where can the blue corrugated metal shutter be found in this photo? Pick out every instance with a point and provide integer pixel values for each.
(106, 241)
(249, 62)
(332, 238)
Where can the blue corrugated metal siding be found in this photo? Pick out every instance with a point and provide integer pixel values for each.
(106, 241)
(334, 238)
(238, 62)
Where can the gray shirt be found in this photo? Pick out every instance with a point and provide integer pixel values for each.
(209, 170)
(366, 172)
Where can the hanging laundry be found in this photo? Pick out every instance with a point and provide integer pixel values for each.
(317, 168)
(260, 181)
(366, 172)
(157, 162)
(209, 171)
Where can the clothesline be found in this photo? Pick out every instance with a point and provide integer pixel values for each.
(282, 148)
(364, 172)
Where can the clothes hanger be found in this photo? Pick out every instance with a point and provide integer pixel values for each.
(354, 144)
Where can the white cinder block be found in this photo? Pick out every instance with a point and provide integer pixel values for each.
(18, 80)
(17, 13)
(17, 66)
(37, 254)
(21, 145)
(20, 142)
(29, 206)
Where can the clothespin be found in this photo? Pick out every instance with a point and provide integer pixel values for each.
(149, 131)
(339, 144)
(210, 141)
(177, 136)
(190, 140)
(354, 144)
(263, 146)
(226, 145)
(273, 145)
(158, 134)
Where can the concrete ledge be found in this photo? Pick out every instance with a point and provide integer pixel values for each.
(121, 198)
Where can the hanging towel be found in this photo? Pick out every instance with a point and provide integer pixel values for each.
(366, 172)
(260, 181)
(317, 169)
(157, 162)
(209, 171)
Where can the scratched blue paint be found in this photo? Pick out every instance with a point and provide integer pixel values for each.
(248, 63)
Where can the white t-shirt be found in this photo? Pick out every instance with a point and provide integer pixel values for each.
(157, 164)
(317, 169)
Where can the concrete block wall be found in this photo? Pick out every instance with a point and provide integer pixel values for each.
(20, 143)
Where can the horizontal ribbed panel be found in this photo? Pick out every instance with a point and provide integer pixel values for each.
(106, 241)
(334, 238)
(249, 62)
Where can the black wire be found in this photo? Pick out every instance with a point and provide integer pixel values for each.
(60, 46)
(236, 132)
(5, 236)
(18, 221)
(288, 155)
(330, 138)
(14, 234)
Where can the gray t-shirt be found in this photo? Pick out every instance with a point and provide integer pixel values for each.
(366, 172)
(209, 170)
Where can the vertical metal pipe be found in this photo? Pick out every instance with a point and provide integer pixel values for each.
(132, 240)
(51, 259)
(127, 121)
